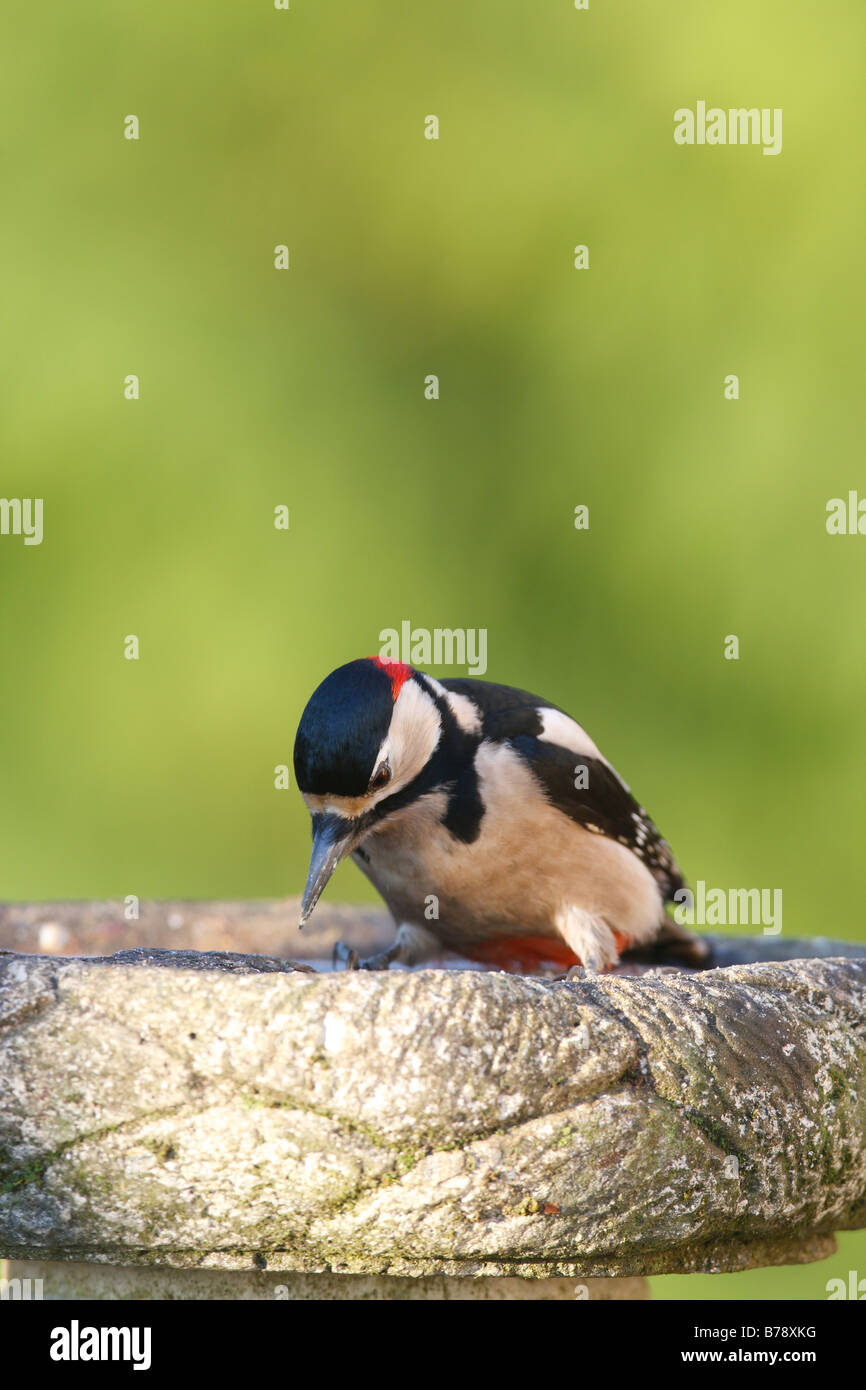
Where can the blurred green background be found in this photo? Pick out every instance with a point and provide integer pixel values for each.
(305, 388)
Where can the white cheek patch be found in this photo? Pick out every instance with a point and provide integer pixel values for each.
(410, 741)
(407, 747)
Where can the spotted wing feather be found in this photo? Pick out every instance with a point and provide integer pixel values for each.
(605, 806)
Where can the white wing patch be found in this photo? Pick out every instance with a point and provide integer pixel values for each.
(561, 729)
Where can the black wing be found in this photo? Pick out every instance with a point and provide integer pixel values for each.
(604, 806)
(505, 711)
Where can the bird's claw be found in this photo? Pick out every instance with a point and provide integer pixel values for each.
(382, 961)
(347, 956)
(344, 955)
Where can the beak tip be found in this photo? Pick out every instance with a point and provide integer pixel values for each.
(332, 840)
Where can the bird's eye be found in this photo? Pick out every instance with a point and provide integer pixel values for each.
(381, 777)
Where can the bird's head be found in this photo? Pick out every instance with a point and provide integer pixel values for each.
(368, 733)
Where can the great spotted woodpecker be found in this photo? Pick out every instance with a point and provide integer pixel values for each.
(486, 817)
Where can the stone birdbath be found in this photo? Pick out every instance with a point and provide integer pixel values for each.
(194, 1123)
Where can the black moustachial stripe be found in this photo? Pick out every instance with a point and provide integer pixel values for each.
(465, 810)
(451, 769)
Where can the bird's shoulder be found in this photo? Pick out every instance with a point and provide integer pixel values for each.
(571, 771)
(504, 711)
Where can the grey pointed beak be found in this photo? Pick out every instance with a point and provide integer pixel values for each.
(333, 838)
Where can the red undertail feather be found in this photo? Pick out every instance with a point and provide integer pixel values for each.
(521, 954)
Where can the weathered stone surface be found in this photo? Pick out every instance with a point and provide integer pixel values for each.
(245, 1114)
(69, 1280)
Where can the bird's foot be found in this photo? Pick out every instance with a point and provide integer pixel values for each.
(577, 972)
(344, 955)
(347, 957)
(383, 960)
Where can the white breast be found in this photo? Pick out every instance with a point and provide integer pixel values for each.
(531, 869)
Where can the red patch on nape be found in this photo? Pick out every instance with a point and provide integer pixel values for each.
(397, 672)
